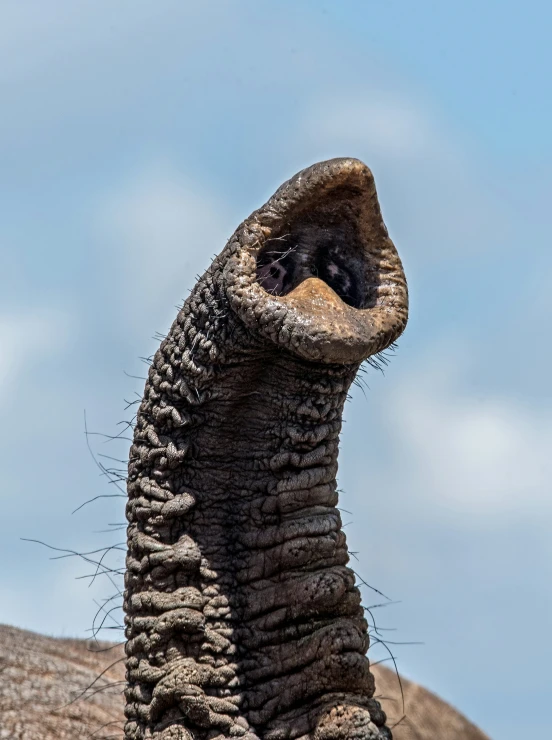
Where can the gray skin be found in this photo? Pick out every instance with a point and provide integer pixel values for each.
(242, 617)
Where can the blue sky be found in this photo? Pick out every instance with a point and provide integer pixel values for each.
(135, 136)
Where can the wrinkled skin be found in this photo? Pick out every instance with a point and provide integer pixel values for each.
(64, 689)
(44, 691)
(242, 617)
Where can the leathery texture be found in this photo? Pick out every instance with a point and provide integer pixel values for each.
(242, 617)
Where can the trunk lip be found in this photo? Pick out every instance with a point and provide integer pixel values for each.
(312, 321)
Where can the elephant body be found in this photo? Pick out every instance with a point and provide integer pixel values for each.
(67, 689)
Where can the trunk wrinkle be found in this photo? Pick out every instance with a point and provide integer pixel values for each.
(242, 617)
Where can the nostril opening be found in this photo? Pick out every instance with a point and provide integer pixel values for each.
(314, 270)
(328, 254)
(277, 265)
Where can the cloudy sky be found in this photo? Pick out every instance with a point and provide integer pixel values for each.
(135, 136)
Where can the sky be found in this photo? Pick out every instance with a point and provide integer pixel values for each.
(136, 136)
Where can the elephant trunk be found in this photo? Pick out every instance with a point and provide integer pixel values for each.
(242, 618)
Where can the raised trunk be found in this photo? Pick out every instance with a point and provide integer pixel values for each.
(242, 617)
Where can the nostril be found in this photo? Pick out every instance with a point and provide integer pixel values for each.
(330, 254)
(343, 282)
(314, 269)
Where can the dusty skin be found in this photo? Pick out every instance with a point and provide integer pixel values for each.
(40, 677)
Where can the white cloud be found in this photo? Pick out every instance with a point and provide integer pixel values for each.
(433, 188)
(32, 41)
(473, 454)
(164, 230)
(390, 125)
(27, 338)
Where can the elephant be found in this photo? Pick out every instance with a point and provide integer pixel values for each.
(243, 619)
(63, 689)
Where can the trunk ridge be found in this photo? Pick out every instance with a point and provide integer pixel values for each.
(242, 617)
